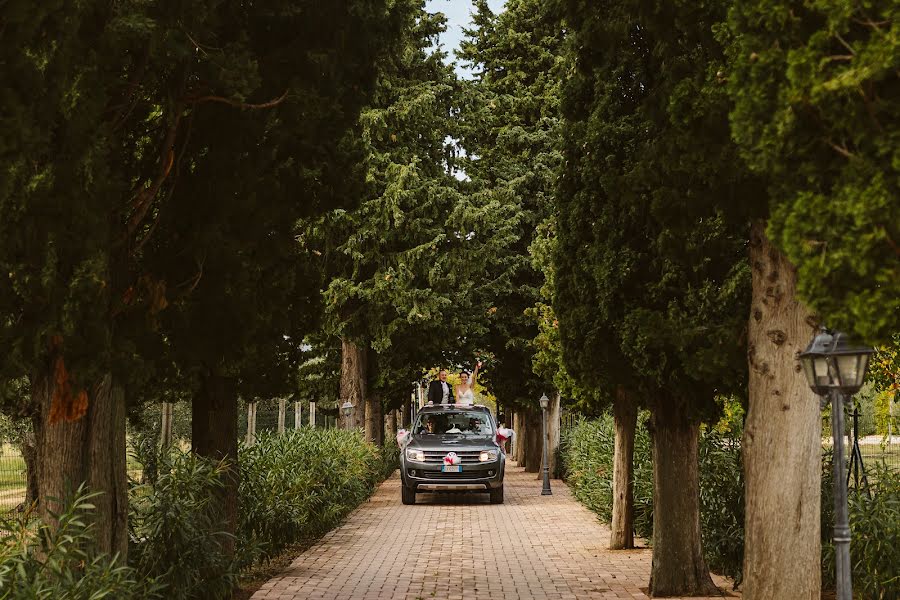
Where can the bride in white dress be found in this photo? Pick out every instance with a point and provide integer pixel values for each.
(465, 391)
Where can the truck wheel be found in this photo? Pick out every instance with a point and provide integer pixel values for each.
(407, 494)
(497, 495)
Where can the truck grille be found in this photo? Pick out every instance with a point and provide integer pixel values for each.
(467, 457)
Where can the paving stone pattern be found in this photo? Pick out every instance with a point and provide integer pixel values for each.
(456, 547)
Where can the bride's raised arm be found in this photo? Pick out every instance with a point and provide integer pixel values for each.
(475, 373)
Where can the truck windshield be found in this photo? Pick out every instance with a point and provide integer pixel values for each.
(454, 422)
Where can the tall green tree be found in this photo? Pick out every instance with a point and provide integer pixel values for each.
(815, 92)
(133, 98)
(510, 134)
(391, 297)
(644, 245)
(236, 232)
(89, 129)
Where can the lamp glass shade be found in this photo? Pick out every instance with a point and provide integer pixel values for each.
(816, 369)
(545, 401)
(850, 370)
(347, 407)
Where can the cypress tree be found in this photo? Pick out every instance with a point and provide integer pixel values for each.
(648, 264)
(815, 96)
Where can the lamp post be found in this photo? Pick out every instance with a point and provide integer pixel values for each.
(545, 401)
(836, 367)
(347, 409)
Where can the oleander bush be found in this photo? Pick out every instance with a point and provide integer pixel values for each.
(177, 533)
(587, 453)
(301, 483)
(41, 563)
(875, 530)
(722, 501)
(588, 460)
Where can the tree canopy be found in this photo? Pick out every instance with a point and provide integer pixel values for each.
(817, 111)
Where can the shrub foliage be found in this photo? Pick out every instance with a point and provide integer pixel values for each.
(587, 453)
(177, 532)
(301, 483)
(38, 562)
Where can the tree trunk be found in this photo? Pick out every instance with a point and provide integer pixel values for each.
(622, 525)
(374, 420)
(678, 567)
(390, 425)
(554, 413)
(90, 450)
(29, 455)
(520, 430)
(533, 446)
(166, 418)
(214, 435)
(353, 384)
(782, 438)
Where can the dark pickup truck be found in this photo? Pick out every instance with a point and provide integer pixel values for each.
(452, 448)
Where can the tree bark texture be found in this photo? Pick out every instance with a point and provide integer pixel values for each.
(520, 430)
(678, 567)
(782, 437)
(166, 417)
(30, 457)
(374, 420)
(214, 435)
(90, 450)
(354, 379)
(533, 441)
(622, 525)
(390, 425)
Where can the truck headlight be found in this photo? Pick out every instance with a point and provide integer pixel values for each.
(487, 456)
(416, 455)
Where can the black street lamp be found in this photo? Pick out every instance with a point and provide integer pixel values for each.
(836, 367)
(347, 409)
(545, 401)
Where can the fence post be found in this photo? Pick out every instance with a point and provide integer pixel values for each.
(298, 415)
(282, 410)
(312, 414)
(165, 437)
(251, 423)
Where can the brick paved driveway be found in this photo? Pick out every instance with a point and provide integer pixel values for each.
(461, 547)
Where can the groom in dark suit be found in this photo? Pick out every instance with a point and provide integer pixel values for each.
(439, 391)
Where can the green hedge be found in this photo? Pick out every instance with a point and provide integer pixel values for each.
(303, 482)
(587, 460)
(293, 486)
(587, 451)
(40, 563)
(875, 533)
(177, 533)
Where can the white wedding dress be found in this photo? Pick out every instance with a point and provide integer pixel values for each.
(466, 398)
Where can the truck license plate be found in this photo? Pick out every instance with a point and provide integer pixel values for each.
(451, 469)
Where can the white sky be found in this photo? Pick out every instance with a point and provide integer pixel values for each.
(458, 14)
